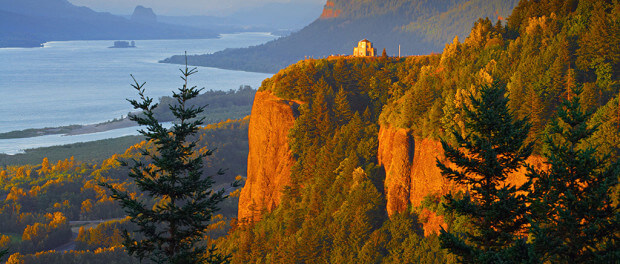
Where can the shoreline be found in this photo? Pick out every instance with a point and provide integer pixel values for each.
(70, 130)
(101, 127)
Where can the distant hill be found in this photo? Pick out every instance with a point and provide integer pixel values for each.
(144, 15)
(27, 23)
(419, 26)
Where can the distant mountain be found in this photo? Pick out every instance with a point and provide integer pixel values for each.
(144, 15)
(27, 23)
(419, 26)
(13, 36)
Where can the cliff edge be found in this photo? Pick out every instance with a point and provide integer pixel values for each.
(270, 158)
(410, 163)
(410, 168)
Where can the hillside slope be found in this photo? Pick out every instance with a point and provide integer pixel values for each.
(363, 187)
(420, 27)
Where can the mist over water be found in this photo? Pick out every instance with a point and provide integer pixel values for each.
(85, 82)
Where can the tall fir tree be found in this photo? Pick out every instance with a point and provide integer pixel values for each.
(343, 111)
(173, 228)
(574, 219)
(492, 147)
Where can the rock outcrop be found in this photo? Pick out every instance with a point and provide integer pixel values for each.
(411, 172)
(270, 158)
(143, 15)
(330, 11)
(410, 168)
(409, 163)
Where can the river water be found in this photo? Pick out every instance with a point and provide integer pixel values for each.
(85, 82)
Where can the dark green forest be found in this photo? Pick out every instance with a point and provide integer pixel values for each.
(221, 105)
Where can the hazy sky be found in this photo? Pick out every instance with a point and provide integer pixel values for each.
(177, 7)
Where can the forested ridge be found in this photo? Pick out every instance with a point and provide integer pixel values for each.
(334, 209)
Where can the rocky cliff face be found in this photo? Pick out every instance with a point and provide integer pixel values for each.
(409, 163)
(411, 172)
(330, 11)
(269, 159)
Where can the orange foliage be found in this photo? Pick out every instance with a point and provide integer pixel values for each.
(56, 219)
(218, 223)
(34, 191)
(33, 231)
(45, 166)
(39, 230)
(87, 205)
(16, 259)
(20, 173)
(4, 241)
(64, 165)
(26, 217)
(93, 185)
(15, 194)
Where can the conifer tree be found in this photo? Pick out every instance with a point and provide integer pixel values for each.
(320, 110)
(343, 109)
(185, 203)
(493, 146)
(574, 218)
(3, 252)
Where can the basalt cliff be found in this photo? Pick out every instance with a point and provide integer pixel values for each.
(409, 163)
(269, 158)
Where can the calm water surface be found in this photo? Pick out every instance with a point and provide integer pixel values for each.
(85, 82)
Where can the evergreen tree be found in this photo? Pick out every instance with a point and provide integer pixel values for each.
(3, 252)
(185, 202)
(343, 111)
(384, 54)
(493, 147)
(320, 109)
(574, 218)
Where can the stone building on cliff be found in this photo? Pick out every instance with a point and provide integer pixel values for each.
(364, 49)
